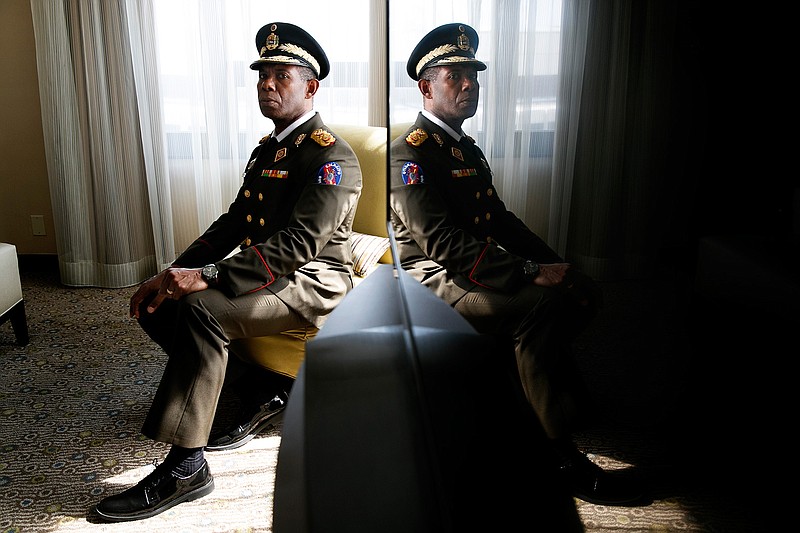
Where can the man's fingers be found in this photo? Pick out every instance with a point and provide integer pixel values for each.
(134, 309)
(155, 303)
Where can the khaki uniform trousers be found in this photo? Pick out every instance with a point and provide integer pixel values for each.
(539, 324)
(195, 332)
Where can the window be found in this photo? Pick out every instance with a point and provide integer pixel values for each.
(204, 53)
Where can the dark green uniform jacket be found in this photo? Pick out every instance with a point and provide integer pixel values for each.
(453, 232)
(292, 216)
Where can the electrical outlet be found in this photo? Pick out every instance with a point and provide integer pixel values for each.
(37, 224)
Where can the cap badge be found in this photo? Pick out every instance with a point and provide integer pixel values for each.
(463, 41)
(322, 137)
(272, 40)
(416, 137)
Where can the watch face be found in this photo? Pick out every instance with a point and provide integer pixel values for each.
(210, 272)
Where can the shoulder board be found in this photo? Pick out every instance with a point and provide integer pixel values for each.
(322, 137)
(264, 139)
(470, 139)
(416, 137)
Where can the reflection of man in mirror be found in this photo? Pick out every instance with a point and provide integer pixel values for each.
(455, 236)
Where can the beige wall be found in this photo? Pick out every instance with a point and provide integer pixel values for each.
(24, 189)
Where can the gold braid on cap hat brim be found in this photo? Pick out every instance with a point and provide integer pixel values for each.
(300, 52)
(436, 52)
(440, 51)
(292, 49)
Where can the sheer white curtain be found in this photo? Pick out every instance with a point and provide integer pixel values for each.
(525, 117)
(153, 114)
(96, 155)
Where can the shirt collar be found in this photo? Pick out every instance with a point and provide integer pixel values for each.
(439, 122)
(294, 125)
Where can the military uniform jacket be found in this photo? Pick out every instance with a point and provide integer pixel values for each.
(453, 232)
(293, 217)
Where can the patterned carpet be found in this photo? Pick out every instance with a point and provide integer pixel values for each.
(74, 400)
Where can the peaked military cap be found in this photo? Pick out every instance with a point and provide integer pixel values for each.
(287, 44)
(450, 44)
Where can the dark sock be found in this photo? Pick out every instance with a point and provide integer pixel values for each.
(183, 462)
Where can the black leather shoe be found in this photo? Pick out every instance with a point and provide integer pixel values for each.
(265, 416)
(156, 493)
(592, 484)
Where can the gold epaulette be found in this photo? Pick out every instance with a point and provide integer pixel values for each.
(416, 137)
(264, 139)
(322, 137)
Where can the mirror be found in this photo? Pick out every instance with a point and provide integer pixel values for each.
(381, 398)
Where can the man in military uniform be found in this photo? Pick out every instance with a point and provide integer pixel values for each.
(456, 236)
(292, 218)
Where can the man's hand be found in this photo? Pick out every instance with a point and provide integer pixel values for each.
(172, 283)
(552, 274)
(575, 282)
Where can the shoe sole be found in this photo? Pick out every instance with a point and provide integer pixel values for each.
(195, 494)
(267, 423)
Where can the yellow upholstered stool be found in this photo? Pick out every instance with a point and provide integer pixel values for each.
(282, 353)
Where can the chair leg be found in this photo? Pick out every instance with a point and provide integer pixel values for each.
(19, 323)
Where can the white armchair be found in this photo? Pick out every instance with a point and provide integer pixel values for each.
(12, 305)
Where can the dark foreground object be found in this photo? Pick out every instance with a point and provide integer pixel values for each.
(386, 430)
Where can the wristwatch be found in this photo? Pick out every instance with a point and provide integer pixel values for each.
(531, 269)
(210, 273)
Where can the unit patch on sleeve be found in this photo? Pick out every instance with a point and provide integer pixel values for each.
(329, 174)
(412, 174)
